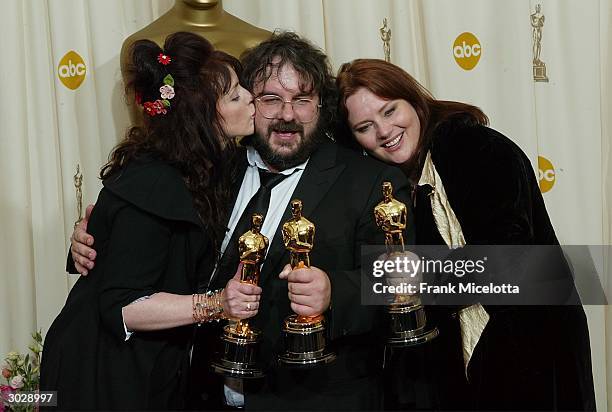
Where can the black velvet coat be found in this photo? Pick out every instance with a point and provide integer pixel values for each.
(148, 239)
(528, 357)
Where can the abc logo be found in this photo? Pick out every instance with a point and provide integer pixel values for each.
(546, 174)
(71, 70)
(467, 51)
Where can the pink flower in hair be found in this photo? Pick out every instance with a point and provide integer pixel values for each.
(167, 91)
(159, 107)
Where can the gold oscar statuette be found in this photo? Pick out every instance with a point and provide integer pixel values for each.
(240, 340)
(304, 336)
(391, 215)
(537, 24)
(407, 318)
(78, 184)
(385, 36)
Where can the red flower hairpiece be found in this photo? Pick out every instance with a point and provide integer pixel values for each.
(166, 93)
(164, 59)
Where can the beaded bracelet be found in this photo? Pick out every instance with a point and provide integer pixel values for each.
(207, 306)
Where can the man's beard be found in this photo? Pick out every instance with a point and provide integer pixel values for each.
(280, 161)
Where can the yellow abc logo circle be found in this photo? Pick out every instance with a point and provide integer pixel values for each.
(546, 174)
(467, 50)
(71, 70)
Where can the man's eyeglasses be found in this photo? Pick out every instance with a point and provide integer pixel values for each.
(271, 106)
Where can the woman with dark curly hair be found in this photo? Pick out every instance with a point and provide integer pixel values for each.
(122, 339)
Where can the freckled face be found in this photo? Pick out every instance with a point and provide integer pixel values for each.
(387, 129)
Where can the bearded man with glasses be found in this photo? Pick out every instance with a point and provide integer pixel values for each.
(295, 116)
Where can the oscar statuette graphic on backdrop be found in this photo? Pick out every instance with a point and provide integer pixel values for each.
(539, 67)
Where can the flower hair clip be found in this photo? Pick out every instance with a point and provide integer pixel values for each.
(166, 93)
(164, 59)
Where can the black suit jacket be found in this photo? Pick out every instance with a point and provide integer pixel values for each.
(339, 189)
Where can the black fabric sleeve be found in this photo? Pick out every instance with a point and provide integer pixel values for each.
(136, 259)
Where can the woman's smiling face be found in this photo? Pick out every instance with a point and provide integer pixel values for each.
(387, 129)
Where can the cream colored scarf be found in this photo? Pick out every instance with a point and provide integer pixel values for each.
(472, 319)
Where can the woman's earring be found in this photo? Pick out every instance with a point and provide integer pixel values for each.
(364, 152)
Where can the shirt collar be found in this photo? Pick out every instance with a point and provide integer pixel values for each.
(428, 174)
(255, 160)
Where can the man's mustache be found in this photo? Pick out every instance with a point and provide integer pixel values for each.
(282, 126)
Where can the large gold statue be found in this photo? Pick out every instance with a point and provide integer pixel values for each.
(204, 17)
(390, 216)
(298, 236)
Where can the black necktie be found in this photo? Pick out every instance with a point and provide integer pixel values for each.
(259, 203)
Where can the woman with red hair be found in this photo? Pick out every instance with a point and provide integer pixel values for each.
(486, 357)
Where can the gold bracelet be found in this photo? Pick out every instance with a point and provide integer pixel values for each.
(207, 306)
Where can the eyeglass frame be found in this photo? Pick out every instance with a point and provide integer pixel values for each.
(291, 102)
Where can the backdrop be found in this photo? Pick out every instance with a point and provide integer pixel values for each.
(62, 105)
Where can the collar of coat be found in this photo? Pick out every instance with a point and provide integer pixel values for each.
(155, 187)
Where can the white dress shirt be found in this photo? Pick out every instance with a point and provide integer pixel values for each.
(280, 196)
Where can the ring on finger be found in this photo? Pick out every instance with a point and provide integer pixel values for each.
(249, 306)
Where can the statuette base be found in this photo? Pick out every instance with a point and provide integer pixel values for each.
(304, 340)
(408, 325)
(239, 358)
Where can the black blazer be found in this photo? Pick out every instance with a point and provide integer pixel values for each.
(148, 239)
(339, 189)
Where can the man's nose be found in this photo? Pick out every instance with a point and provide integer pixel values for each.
(287, 113)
